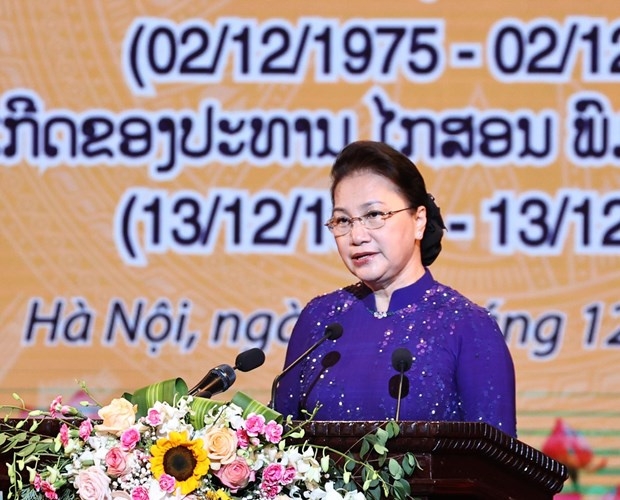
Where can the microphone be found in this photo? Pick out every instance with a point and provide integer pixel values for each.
(333, 331)
(220, 378)
(248, 360)
(401, 362)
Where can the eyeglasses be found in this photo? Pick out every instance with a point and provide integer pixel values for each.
(339, 226)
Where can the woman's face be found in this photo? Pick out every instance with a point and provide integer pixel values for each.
(384, 258)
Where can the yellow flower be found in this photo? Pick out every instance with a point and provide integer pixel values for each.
(217, 495)
(184, 459)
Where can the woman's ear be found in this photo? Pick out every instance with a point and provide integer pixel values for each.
(420, 222)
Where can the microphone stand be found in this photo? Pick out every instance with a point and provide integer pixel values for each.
(332, 332)
(400, 394)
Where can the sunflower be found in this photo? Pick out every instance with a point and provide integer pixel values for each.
(185, 460)
(217, 495)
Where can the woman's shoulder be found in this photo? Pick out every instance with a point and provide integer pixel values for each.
(442, 296)
(340, 299)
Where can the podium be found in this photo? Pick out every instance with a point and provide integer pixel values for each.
(458, 459)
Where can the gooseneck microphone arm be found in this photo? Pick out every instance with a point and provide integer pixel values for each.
(401, 361)
(333, 331)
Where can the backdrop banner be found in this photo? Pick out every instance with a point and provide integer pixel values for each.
(164, 173)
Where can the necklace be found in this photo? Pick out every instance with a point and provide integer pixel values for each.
(380, 314)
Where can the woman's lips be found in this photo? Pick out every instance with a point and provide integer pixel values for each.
(362, 258)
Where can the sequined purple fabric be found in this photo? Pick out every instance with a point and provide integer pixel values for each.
(461, 371)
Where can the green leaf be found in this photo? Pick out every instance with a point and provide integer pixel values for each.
(200, 409)
(375, 492)
(401, 490)
(364, 449)
(167, 391)
(371, 438)
(250, 405)
(413, 461)
(26, 450)
(393, 429)
(407, 467)
(395, 469)
(382, 436)
(380, 449)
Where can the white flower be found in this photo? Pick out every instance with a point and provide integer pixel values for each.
(329, 493)
(306, 465)
(155, 492)
(173, 419)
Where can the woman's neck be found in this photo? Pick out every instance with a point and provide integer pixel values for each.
(384, 294)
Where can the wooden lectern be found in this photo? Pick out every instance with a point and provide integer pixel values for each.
(458, 459)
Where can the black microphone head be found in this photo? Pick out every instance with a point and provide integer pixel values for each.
(248, 360)
(398, 386)
(402, 359)
(333, 331)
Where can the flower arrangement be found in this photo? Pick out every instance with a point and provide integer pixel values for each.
(162, 443)
(570, 447)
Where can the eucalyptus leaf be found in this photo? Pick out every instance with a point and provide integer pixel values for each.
(380, 449)
(364, 449)
(382, 436)
(395, 469)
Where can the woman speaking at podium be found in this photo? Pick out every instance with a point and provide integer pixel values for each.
(411, 348)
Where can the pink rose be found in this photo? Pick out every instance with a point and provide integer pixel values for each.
(140, 493)
(273, 432)
(116, 462)
(130, 438)
(235, 475)
(255, 424)
(86, 427)
(93, 484)
(167, 483)
(118, 416)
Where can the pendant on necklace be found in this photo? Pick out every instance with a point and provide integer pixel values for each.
(380, 314)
